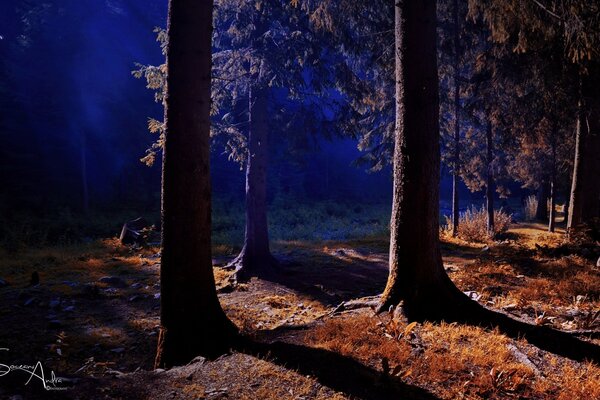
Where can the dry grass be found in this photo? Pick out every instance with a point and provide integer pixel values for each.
(452, 361)
(456, 361)
(530, 208)
(90, 261)
(473, 225)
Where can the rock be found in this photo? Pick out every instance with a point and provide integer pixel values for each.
(4, 283)
(118, 350)
(69, 308)
(136, 285)
(485, 249)
(473, 295)
(198, 359)
(29, 301)
(54, 303)
(54, 324)
(131, 231)
(157, 296)
(598, 263)
(135, 297)
(523, 359)
(113, 281)
(572, 313)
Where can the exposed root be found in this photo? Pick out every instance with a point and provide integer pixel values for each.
(371, 302)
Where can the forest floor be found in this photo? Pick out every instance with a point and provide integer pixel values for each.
(94, 318)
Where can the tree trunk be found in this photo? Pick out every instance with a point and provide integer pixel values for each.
(591, 174)
(192, 321)
(456, 171)
(489, 186)
(576, 198)
(255, 257)
(541, 211)
(552, 213)
(416, 274)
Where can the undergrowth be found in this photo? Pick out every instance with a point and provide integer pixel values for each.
(472, 225)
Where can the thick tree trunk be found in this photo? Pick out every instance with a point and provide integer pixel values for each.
(456, 171)
(541, 211)
(489, 186)
(591, 174)
(255, 257)
(584, 205)
(552, 211)
(416, 274)
(192, 321)
(417, 277)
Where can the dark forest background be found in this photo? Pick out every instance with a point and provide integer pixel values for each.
(73, 128)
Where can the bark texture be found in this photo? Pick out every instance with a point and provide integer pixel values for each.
(552, 210)
(416, 275)
(576, 198)
(490, 185)
(541, 211)
(255, 257)
(584, 204)
(456, 172)
(192, 321)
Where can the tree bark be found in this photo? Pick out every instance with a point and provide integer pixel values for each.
(552, 211)
(591, 174)
(417, 277)
(192, 320)
(456, 171)
(576, 197)
(541, 211)
(255, 257)
(489, 186)
(416, 274)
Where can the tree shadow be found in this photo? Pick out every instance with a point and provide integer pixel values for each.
(332, 279)
(340, 373)
(332, 276)
(554, 341)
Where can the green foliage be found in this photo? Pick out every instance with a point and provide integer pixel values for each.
(292, 220)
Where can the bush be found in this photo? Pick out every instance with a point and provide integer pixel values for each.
(472, 225)
(530, 208)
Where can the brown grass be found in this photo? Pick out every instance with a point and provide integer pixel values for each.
(472, 225)
(455, 361)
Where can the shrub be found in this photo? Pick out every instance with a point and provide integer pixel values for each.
(530, 208)
(472, 225)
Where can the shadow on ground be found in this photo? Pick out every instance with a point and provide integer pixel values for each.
(338, 372)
